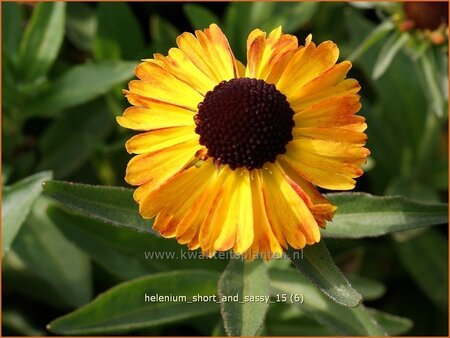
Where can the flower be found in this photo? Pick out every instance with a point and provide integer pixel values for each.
(426, 15)
(428, 19)
(231, 156)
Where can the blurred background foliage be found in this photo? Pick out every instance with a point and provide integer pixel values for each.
(63, 68)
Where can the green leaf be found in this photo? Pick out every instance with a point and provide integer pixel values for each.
(19, 323)
(16, 204)
(342, 320)
(200, 17)
(106, 246)
(363, 215)
(424, 255)
(112, 41)
(284, 320)
(394, 325)
(124, 307)
(369, 289)
(388, 52)
(7, 170)
(290, 16)
(45, 250)
(19, 278)
(237, 26)
(12, 22)
(81, 84)
(163, 34)
(376, 35)
(244, 280)
(71, 139)
(315, 262)
(430, 74)
(126, 253)
(81, 25)
(242, 17)
(42, 39)
(112, 205)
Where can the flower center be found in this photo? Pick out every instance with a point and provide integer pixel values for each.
(244, 123)
(427, 15)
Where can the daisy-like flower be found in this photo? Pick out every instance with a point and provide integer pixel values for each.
(231, 156)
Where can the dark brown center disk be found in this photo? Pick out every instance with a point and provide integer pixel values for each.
(427, 15)
(244, 123)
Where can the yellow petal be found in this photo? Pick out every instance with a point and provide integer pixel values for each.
(265, 243)
(328, 164)
(213, 222)
(330, 78)
(332, 134)
(343, 88)
(159, 166)
(244, 220)
(267, 57)
(331, 165)
(287, 211)
(158, 115)
(310, 64)
(335, 112)
(183, 68)
(177, 190)
(189, 226)
(332, 149)
(321, 208)
(158, 84)
(229, 223)
(321, 178)
(159, 139)
(210, 52)
(174, 200)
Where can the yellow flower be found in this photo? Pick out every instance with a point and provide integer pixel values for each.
(231, 155)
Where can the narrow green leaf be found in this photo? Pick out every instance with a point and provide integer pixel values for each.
(200, 17)
(124, 307)
(17, 200)
(285, 320)
(388, 52)
(112, 41)
(244, 295)
(81, 84)
(20, 323)
(237, 25)
(412, 189)
(369, 289)
(435, 96)
(424, 255)
(112, 248)
(69, 141)
(291, 16)
(7, 170)
(343, 320)
(316, 264)
(12, 22)
(163, 34)
(81, 25)
(127, 253)
(394, 325)
(112, 205)
(363, 215)
(45, 250)
(19, 278)
(376, 35)
(42, 39)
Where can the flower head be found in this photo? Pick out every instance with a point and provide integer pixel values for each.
(231, 155)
